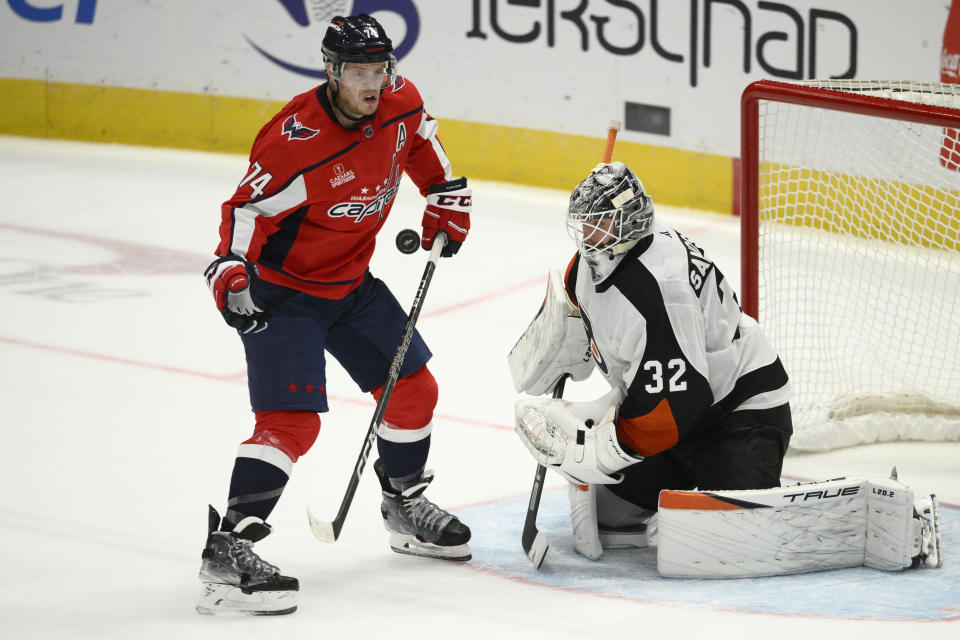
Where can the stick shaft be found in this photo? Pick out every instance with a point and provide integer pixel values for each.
(533, 506)
(329, 532)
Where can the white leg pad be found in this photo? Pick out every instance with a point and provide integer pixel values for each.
(727, 534)
(583, 518)
(891, 539)
(804, 527)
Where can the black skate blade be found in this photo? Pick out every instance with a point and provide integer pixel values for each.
(274, 613)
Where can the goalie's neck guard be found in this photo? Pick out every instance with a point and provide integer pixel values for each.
(603, 263)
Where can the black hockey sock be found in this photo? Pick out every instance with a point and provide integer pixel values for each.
(255, 488)
(403, 461)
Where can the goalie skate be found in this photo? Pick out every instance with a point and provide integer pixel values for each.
(638, 535)
(930, 542)
(237, 580)
(418, 527)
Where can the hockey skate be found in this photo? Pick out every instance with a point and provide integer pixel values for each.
(417, 526)
(927, 532)
(237, 580)
(622, 524)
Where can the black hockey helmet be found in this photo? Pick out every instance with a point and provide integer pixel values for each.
(357, 38)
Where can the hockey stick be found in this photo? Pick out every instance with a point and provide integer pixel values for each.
(535, 544)
(330, 531)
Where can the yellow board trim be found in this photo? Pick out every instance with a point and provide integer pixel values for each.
(862, 207)
(219, 123)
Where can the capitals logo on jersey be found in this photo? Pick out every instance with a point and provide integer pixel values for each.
(296, 131)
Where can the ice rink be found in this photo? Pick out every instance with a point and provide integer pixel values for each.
(124, 400)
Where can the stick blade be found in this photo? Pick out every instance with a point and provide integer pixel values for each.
(538, 550)
(322, 531)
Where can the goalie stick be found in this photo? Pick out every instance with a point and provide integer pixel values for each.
(330, 531)
(535, 544)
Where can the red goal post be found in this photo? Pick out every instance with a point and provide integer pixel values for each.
(850, 253)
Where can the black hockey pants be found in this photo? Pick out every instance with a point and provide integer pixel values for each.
(742, 451)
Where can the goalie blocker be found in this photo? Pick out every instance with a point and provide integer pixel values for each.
(555, 343)
(839, 523)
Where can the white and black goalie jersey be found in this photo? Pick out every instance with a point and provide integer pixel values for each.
(667, 330)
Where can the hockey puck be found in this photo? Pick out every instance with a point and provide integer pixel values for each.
(408, 241)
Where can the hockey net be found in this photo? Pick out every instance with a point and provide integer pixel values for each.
(850, 209)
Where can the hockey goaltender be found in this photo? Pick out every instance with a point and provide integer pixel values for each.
(689, 442)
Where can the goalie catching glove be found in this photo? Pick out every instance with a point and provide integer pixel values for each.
(578, 440)
(448, 210)
(229, 280)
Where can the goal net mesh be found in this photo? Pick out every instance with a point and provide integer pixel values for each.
(859, 265)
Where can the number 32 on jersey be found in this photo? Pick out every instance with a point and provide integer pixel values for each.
(669, 377)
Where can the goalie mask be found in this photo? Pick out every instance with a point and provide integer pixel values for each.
(608, 213)
(362, 41)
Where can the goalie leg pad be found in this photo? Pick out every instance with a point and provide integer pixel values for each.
(891, 542)
(730, 534)
(583, 518)
(796, 529)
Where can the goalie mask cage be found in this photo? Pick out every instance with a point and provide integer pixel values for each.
(850, 249)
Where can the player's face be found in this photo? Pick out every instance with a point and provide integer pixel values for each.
(598, 233)
(358, 103)
(359, 88)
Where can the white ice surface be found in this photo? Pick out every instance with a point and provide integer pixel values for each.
(123, 400)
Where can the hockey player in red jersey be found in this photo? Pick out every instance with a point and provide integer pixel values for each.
(292, 277)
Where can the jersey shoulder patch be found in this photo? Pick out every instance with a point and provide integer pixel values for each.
(402, 98)
(295, 130)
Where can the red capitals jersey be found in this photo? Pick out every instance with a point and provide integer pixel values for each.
(316, 194)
